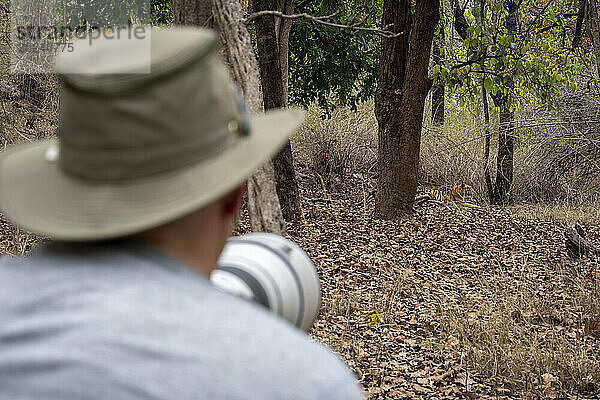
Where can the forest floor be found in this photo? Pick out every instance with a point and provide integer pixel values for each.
(452, 303)
(455, 302)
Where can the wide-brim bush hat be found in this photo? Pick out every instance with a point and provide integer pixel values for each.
(138, 148)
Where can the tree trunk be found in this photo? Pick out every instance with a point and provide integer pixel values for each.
(593, 26)
(506, 144)
(275, 96)
(402, 71)
(486, 150)
(578, 33)
(287, 185)
(5, 51)
(437, 97)
(491, 191)
(195, 12)
(283, 29)
(393, 194)
(504, 162)
(225, 16)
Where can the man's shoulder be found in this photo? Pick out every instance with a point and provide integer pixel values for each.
(217, 335)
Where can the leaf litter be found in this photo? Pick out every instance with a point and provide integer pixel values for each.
(453, 303)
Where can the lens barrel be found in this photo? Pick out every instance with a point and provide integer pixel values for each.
(273, 271)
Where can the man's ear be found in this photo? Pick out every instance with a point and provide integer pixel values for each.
(233, 200)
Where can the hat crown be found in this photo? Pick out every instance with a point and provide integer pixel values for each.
(139, 56)
(141, 121)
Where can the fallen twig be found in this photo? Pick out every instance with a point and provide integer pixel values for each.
(577, 244)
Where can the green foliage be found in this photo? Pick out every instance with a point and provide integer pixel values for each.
(161, 12)
(534, 63)
(328, 65)
(333, 66)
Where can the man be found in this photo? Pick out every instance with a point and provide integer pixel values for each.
(139, 193)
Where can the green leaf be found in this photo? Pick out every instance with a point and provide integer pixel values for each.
(488, 84)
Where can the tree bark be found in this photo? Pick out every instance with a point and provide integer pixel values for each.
(275, 96)
(403, 70)
(283, 29)
(196, 12)
(506, 144)
(392, 198)
(486, 119)
(287, 185)
(593, 27)
(4, 38)
(437, 97)
(505, 160)
(225, 16)
(578, 33)
(486, 150)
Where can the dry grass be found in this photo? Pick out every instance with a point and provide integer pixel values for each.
(561, 213)
(14, 240)
(31, 113)
(523, 338)
(337, 147)
(557, 160)
(447, 161)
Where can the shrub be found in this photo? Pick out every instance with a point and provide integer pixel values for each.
(336, 147)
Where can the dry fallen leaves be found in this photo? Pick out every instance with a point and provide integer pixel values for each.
(464, 301)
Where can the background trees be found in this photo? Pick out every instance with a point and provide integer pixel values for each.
(438, 50)
(518, 53)
(514, 51)
(331, 66)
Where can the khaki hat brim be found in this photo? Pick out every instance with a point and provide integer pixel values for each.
(37, 196)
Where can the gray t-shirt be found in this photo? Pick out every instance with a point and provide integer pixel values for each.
(125, 321)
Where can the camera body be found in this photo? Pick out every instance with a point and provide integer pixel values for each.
(272, 271)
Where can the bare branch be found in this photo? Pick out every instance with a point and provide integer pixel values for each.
(322, 20)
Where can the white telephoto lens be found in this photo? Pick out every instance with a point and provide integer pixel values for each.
(273, 271)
